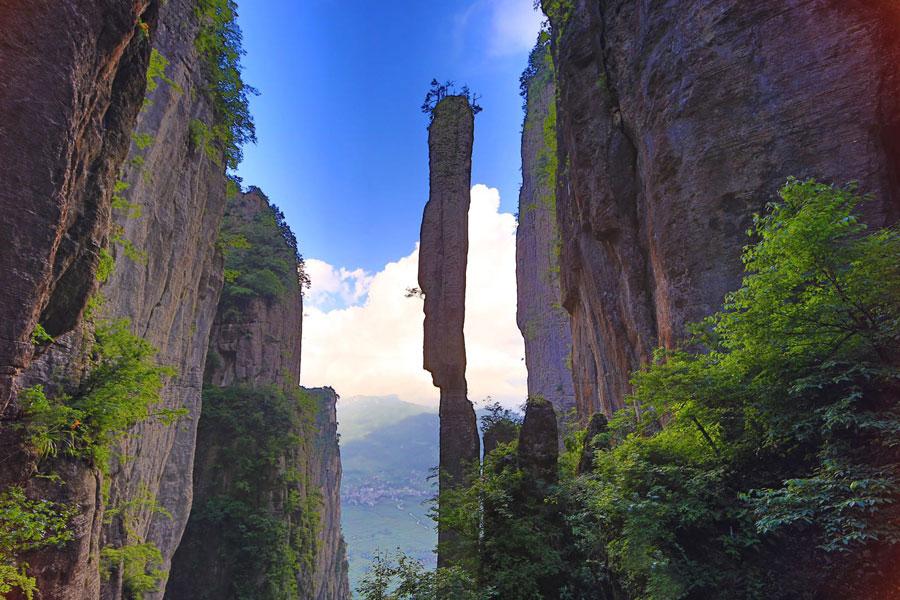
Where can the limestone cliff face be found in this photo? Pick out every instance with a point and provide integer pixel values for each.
(675, 124)
(177, 194)
(266, 515)
(72, 78)
(331, 572)
(442, 278)
(542, 320)
(259, 341)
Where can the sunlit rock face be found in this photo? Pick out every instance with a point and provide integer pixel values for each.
(676, 124)
(170, 297)
(541, 318)
(442, 278)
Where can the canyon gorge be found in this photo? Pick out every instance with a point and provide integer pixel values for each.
(707, 290)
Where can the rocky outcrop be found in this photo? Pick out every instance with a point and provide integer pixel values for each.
(257, 341)
(444, 245)
(598, 425)
(73, 81)
(542, 320)
(72, 78)
(538, 450)
(675, 125)
(267, 474)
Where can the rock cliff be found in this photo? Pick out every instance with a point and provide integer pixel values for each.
(81, 86)
(442, 278)
(267, 474)
(169, 290)
(542, 320)
(75, 72)
(675, 124)
(332, 569)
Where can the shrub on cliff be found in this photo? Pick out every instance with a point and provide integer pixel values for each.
(261, 259)
(775, 472)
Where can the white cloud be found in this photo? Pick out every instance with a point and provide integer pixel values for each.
(514, 26)
(335, 288)
(506, 27)
(374, 347)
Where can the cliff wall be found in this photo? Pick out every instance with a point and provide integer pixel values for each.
(676, 123)
(266, 517)
(542, 320)
(169, 290)
(73, 82)
(80, 85)
(332, 569)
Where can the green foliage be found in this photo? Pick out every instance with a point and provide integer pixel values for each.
(439, 91)
(119, 202)
(219, 43)
(105, 266)
(263, 518)
(558, 12)
(760, 460)
(39, 336)
(205, 138)
(156, 72)
(403, 578)
(261, 259)
(27, 525)
(121, 390)
(142, 140)
(778, 453)
(139, 565)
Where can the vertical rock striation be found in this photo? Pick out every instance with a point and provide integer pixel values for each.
(542, 320)
(331, 580)
(675, 124)
(72, 81)
(72, 78)
(176, 198)
(444, 245)
(267, 474)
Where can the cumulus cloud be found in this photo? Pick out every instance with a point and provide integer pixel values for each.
(373, 347)
(335, 288)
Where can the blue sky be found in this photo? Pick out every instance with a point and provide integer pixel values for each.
(342, 143)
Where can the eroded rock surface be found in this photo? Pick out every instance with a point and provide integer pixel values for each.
(678, 122)
(332, 569)
(442, 278)
(542, 320)
(177, 193)
(72, 78)
(538, 450)
(72, 81)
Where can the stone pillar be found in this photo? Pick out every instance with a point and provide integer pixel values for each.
(442, 278)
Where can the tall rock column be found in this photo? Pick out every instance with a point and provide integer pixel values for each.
(542, 320)
(444, 245)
